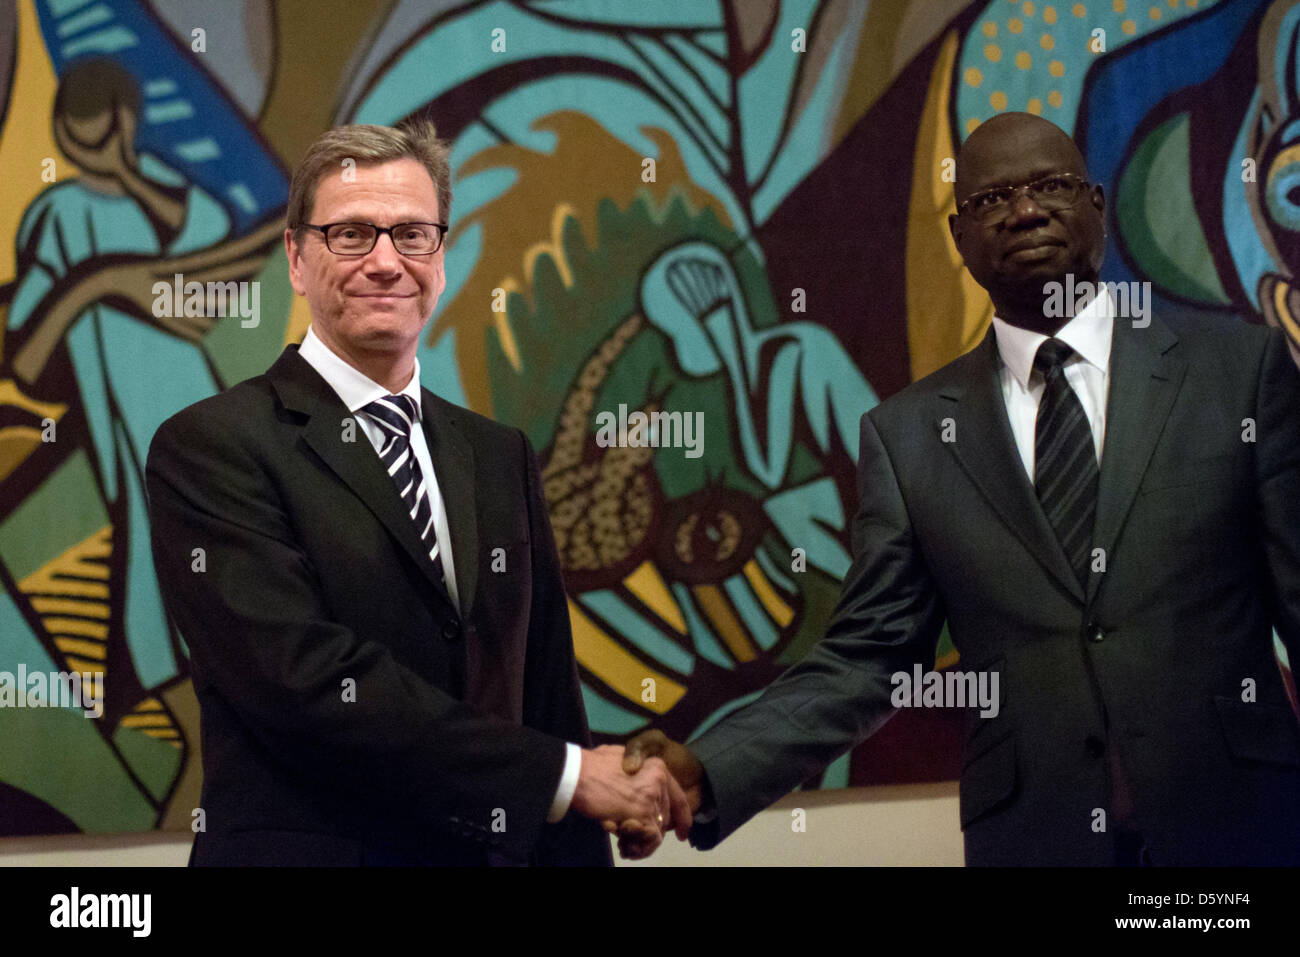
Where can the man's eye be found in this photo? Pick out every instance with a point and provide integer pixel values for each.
(413, 233)
(991, 199)
(1054, 184)
(348, 233)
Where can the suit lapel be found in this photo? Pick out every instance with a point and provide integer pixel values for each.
(986, 450)
(453, 464)
(302, 390)
(1145, 377)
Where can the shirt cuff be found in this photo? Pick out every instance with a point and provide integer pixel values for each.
(568, 782)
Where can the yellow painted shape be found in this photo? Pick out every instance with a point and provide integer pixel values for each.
(947, 311)
(82, 664)
(147, 721)
(10, 394)
(648, 585)
(1280, 290)
(611, 663)
(947, 661)
(299, 320)
(83, 560)
(780, 612)
(28, 136)
(69, 606)
(20, 441)
(16, 443)
(76, 626)
(81, 646)
(719, 613)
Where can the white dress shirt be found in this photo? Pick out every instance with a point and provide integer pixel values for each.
(1087, 371)
(358, 390)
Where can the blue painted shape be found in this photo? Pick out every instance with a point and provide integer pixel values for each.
(1127, 85)
(773, 572)
(169, 111)
(608, 718)
(85, 20)
(751, 611)
(632, 627)
(706, 643)
(18, 643)
(1250, 257)
(803, 514)
(199, 151)
(152, 54)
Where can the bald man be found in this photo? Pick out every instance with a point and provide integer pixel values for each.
(1104, 506)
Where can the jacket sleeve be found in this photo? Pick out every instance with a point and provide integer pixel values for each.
(889, 617)
(1277, 463)
(552, 693)
(261, 635)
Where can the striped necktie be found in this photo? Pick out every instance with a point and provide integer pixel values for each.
(395, 415)
(1065, 459)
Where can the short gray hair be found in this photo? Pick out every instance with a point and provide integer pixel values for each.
(417, 139)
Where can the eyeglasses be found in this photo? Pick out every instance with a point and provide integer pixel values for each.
(1051, 193)
(357, 239)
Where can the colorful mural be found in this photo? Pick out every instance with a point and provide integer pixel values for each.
(729, 213)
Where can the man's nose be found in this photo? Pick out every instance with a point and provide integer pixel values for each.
(384, 257)
(1024, 210)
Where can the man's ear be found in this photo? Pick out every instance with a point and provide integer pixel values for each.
(293, 253)
(953, 227)
(1098, 199)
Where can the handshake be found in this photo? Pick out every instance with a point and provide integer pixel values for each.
(640, 791)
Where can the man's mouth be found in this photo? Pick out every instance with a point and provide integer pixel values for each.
(1033, 250)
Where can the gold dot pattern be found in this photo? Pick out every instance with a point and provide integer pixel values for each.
(1009, 37)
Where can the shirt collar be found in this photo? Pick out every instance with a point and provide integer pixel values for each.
(354, 387)
(1088, 334)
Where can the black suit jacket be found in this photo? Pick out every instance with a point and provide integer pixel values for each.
(349, 714)
(1166, 654)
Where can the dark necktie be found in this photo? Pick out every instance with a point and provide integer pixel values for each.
(395, 415)
(1065, 460)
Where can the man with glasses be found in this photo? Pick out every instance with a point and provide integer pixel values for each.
(1105, 509)
(365, 574)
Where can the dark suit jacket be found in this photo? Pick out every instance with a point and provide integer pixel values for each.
(334, 675)
(1201, 537)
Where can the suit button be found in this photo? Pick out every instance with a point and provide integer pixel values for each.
(1096, 633)
(451, 631)
(1095, 746)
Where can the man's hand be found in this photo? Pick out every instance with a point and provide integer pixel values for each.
(685, 768)
(635, 840)
(643, 803)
